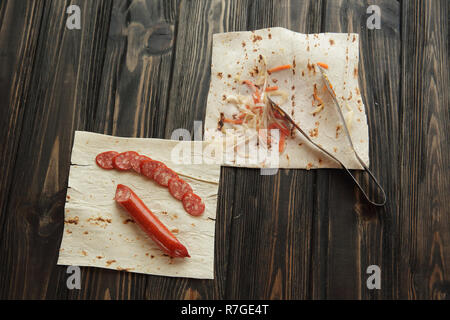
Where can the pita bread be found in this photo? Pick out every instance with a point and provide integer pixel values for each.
(99, 233)
(236, 57)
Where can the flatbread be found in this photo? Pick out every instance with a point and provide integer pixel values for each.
(99, 233)
(234, 57)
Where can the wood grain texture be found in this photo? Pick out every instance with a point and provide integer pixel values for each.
(351, 234)
(272, 215)
(19, 30)
(142, 68)
(422, 267)
(62, 92)
(133, 97)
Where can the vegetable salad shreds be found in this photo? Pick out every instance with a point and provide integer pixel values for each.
(254, 111)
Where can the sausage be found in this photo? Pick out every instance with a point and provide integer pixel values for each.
(105, 159)
(154, 228)
(148, 167)
(123, 160)
(193, 204)
(178, 188)
(136, 162)
(162, 175)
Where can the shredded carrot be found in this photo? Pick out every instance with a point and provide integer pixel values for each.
(284, 132)
(283, 128)
(323, 65)
(234, 121)
(260, 109)
(274, 88)
(282, 143)
(241, 115)
(279, 68)
(256, 94)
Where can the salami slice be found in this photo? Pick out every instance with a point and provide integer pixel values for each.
(163, 175)
(178, 188)
(105, 159)
(193, 204)
(148, 167)
(136, 162)
(122, 161)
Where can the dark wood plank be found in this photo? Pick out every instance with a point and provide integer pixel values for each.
(19, 30)
(350, 234)
(61, 98)
(271, 227)
(198, 21)
(133, 97)
(423, 259)
(135, 85)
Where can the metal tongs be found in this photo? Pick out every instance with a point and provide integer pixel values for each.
(276, 107)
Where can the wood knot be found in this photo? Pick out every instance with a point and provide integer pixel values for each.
(160, 39)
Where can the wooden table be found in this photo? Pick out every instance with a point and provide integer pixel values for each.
(142, 69)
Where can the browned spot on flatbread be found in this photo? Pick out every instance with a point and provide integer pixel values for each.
(338, 130)
(99, 219)
(270, 36)
(331, 42)
(219, 124)
(99, 257)
(224, 97)
(126, 221)
(84, 253)
(220, 75)
(85, 232)
(355, 72)
(109, 262)
(256, 38)
(243, 44)
(314, 132)
(124, 269)
(309, 166)
(73, 220)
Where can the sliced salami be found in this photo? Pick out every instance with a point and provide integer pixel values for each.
(178, 188)
(193, 204)
(163, 175)
(122, 161)
(136, 162)
(148, 167)
(105, 159)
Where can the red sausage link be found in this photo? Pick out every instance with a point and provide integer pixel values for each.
(123, 160)
(155, 229)
(105, 159)
(178, 188)
(193, 204)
